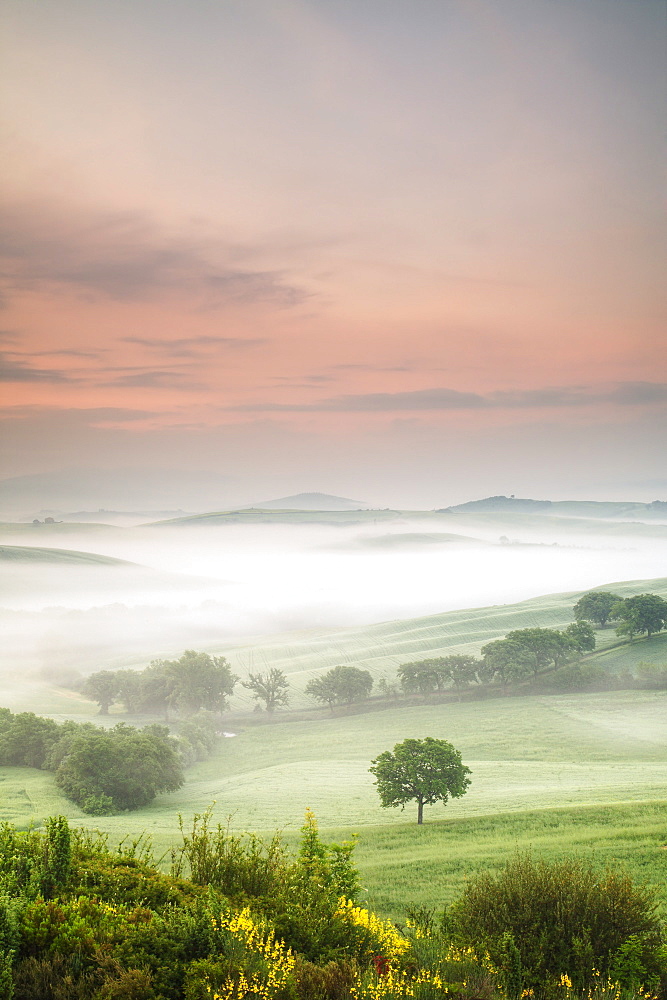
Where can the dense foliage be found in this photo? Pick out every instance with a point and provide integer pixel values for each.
(193, 682)
(422, 771)
(643, 613)
(562, 917)
(341, 685)
(596, 606)
(105, 770)
(241, 919)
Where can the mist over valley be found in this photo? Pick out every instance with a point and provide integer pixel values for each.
(82, 596)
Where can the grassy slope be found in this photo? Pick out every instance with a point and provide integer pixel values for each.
(29, 554)
(383, 647)
(529, 756)
(543, 767)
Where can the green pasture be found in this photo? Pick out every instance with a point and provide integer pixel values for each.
(558, 773)
(427, 866)
(552, 773)
(623, 657)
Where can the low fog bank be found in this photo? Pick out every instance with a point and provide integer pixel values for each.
(190, 586)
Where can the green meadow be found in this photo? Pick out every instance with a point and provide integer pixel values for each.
(550, 773)
(553, 774)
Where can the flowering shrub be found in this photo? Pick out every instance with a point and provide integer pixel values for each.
(379, 937)
(115, 928)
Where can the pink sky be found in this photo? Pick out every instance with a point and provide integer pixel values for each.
(396, 250)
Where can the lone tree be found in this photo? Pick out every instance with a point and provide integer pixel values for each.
(271, 688)
(102, 687)
(426, 770)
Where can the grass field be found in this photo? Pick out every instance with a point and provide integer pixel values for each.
(558, 773)
(553, 773)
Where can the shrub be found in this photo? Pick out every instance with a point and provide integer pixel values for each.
(236, 864)
(565, 917)
(125, 765)
(652, 676)
(579, 677)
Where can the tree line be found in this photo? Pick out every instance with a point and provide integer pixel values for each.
(643, 614)
(197, 681)
(194, 682)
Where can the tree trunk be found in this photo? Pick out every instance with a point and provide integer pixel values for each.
(420, 811)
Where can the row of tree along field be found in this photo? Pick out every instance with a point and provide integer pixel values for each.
(241, 918)
(199, 681)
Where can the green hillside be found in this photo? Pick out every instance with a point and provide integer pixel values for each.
(383, 647)
(556, 773)
(30, 554)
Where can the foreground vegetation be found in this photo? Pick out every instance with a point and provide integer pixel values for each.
(556, 755)
(241, 918)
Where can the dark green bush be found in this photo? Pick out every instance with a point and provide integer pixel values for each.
(564, 917)
(324, 982)
(127, 766)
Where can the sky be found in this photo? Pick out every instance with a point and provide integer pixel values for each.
(410, 252)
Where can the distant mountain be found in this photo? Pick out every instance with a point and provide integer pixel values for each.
(563, 508)
(311, 501)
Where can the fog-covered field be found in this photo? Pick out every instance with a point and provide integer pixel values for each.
(81, 597)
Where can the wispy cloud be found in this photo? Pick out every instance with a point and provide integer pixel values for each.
(126, 256)
(13, 369)
(148, 379)
(371, 368)
(192, 347)
(626, 393)
(77, 415)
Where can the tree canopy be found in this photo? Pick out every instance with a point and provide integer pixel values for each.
(641, 613)
(193, 682)
(506, 660)
(341, 685)
(106, 770)
(270, 688)
(102, 687)
(596, 606)
(424, 771)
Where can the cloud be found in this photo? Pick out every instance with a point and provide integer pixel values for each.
(13, 369)
(64, 353)
(305, 379)
(371, 368)
(125, 256)
(74, 415)
(191, 347)
(640, 392)
(148, 379)
(626, 393)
